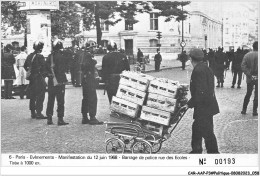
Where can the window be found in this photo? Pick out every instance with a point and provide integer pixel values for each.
(129, 26)
(189, 28)
(103, 26)
(153, 42)
(153, 21)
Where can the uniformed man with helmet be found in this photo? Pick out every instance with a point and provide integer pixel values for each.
(113, 64)
(89, 86)
(35, 62)
(56, 67)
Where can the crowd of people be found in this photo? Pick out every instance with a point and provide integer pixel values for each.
(34, 69)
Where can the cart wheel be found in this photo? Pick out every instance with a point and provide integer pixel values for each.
(156, 147)
(143, 147)
(115, 145)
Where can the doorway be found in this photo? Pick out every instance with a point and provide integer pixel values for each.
(129, 47)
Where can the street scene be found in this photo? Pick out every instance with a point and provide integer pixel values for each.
(116, 77)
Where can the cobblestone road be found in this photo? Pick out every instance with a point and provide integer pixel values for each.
(235, 133)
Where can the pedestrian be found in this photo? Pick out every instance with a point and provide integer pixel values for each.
(211, 58)
(7, 71)
(158, 60)
(204, 102)
(219, 66)
(36, 66)
(140, 56)
(56, 68)
(113, 64)
(236, 67)
(21, 81)
(183, 57)
(250, 68)
(89, 85)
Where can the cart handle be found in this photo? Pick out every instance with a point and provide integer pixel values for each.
(181, 111)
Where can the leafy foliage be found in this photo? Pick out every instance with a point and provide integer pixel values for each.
(66, 21)
(171, 9)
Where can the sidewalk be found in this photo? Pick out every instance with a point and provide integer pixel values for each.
(165, 64)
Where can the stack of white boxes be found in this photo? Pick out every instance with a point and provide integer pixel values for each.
(131, 94)
(160, 105)
(151, 101)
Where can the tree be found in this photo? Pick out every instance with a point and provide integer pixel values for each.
(171, 9)
(65, 22)
(12, 17)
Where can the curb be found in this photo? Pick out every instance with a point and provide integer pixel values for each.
(167, 68)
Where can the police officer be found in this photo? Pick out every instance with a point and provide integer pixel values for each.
(56, 67)
(89, 85)
(158, 60)
(220, 65)
(113, 64)
(37, 86)
(236, 67)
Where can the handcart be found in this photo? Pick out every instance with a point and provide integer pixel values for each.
(132, 137)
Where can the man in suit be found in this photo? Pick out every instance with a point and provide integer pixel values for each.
(204, 102)
(113, 64)
(236, 67)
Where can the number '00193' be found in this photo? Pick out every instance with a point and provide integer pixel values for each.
(225, 161)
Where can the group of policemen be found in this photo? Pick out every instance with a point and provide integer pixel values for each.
(55, 67)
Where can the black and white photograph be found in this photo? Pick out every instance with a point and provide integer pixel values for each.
(129, 77)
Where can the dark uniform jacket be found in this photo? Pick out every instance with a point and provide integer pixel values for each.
(38, 72)
(7, 67)
(114, 63)
(202, 92)
(220, 63)
(158, 58)
(60, 67)
(236, 63)
(88, 70)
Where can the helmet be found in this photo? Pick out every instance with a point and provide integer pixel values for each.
(57, 45)
(112, 45)
(38, 45)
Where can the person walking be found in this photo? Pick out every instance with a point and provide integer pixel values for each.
(249, 66)
(140, 56)
(113, 64)
(36, 66)
(21, 81)
(236, 67)
(7, 72)
(90, 83)
(158, 60)
(204, 102)
(183, 57)
(219, 66)
(56, 68)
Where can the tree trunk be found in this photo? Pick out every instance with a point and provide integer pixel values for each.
(97, 19)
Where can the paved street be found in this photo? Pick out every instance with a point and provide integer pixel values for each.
(235, 133)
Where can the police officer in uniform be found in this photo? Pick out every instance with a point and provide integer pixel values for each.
(220, 65)
(204, 102)
(113, 64)
(37, 86)
(158, 60)
(89, 85)
(56, 67)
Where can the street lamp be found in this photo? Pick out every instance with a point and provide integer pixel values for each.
(182, 29)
